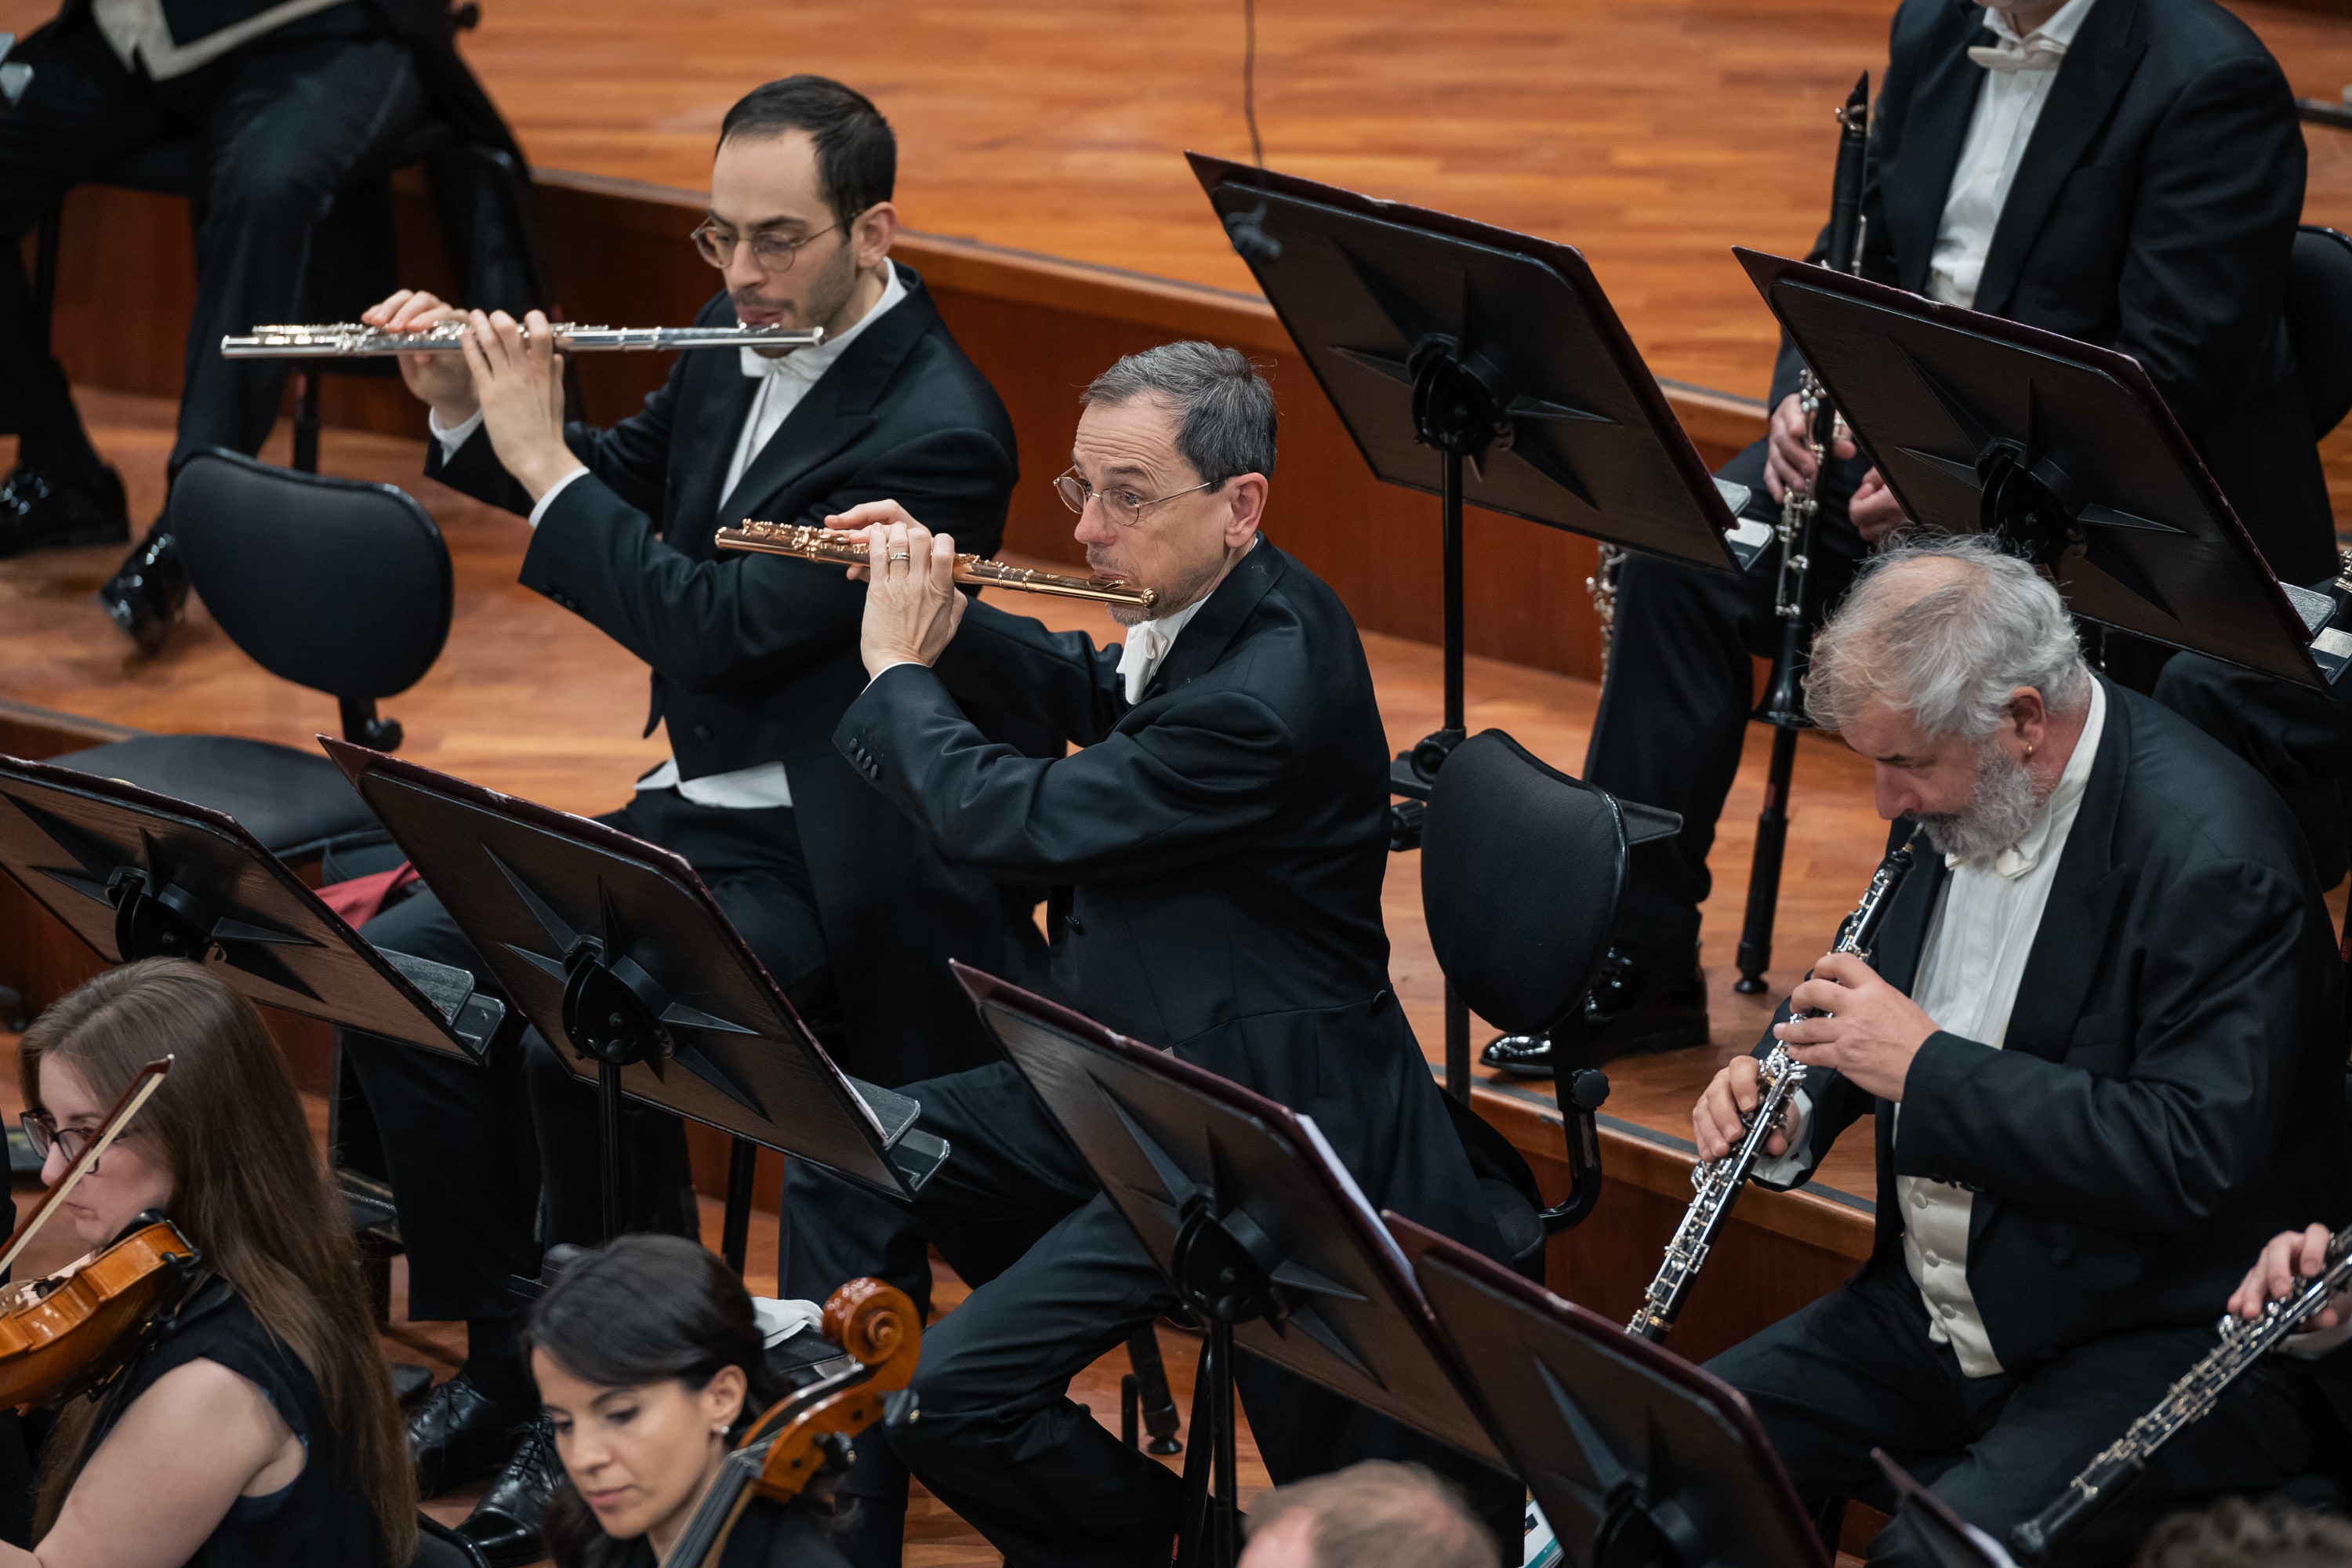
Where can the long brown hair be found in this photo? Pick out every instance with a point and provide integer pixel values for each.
(248, 1190)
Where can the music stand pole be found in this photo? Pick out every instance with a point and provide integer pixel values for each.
(1457, 1012)
(1764, 869)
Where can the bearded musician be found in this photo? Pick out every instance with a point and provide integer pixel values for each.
(2099, 1040)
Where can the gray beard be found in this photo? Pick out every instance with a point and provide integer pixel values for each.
(2001, 812)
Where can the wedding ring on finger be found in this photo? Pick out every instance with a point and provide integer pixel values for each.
(898, 555)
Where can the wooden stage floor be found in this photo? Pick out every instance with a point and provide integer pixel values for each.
(1653, 135)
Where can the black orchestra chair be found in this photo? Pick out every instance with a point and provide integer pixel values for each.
(1521, 869)
(332, 584)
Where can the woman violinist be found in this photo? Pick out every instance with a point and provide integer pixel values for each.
(649, 1362)
(257, 1426)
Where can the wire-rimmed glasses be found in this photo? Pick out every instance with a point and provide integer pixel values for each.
(773, 253)
(1125, 507)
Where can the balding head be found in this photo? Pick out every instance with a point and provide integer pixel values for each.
(1377, 1514)
(1943, 631)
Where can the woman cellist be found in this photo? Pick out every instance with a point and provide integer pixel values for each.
(257, 1425)
(649, 1362)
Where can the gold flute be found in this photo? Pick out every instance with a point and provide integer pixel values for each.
(836, 548)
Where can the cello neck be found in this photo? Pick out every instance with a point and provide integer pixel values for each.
(713, 1519)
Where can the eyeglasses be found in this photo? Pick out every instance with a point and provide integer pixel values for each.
(773, 252)
(1126, 508)
(42, 1132)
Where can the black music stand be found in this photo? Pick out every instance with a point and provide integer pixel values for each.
(615, 946)
(2065, 451)
(1638, 1458)
(140, 875)
(1263, 1232)
(1483, 366)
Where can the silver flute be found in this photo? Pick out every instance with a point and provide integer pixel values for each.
(1717, 1183)
(2186, 1402)
(349, 340)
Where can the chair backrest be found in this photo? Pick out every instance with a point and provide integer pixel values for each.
(1521, 867)
(2319, 322)
(336, 584)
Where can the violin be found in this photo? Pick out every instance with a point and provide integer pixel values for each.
(71, 1331)
(797, 1439)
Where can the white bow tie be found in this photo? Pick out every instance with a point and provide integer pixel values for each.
(757, 365)
(1147, 643)
(2012, 56)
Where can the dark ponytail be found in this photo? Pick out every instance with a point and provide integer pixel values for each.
(642, 1309)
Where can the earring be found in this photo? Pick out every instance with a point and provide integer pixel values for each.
(2029, 753)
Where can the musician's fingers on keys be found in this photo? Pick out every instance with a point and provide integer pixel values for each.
(1719, 1120)
(518, 388)
(1873, 1035)
(1788, 460)
(912, 608)
(861, 521)
(2291, 1258)
(436, 378)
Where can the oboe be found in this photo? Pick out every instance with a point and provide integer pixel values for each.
(1717, 1184)
(2186, 1402)
(349, 340)
(836, 548)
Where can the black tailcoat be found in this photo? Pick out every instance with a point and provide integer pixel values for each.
(2153, 213)
(1217, 850)
(755, 658)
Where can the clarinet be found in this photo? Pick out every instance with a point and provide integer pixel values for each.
(2186, 1402)
(1717, 1184)
(1783, 707)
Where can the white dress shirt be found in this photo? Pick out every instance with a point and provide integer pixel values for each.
(1147, 645)
(783, 380)
(2019, 73)
(139, 36)
(1968, 973)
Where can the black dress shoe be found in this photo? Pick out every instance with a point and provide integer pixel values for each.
(460, 1434)
(504, 1526)
(145, 595)
(41, 511)
(1521, 1056)
(1633, 1009)
(1637, 1007)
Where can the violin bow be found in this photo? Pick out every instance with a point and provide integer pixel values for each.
(144, 1085)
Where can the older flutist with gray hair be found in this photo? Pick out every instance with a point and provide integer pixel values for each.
(2100, 1039)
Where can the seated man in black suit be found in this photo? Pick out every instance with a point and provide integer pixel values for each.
(1216, 846)
(754, 659)
(289, 99)
(2124, 172)
(2100, 1042)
